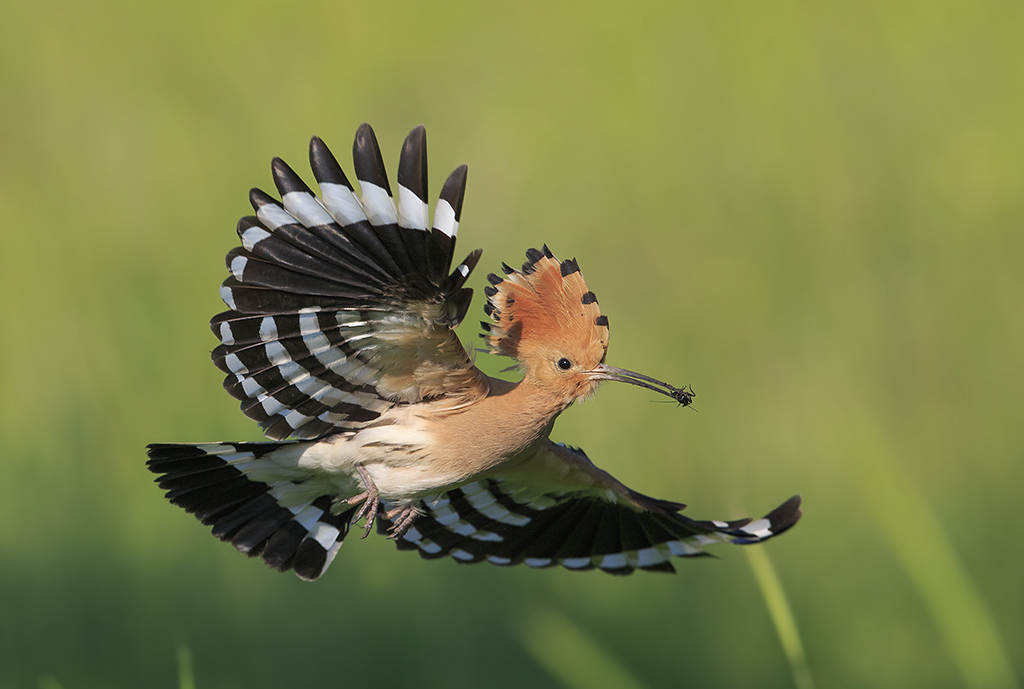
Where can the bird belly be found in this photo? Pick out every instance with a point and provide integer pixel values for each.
(401, 455)
(413, 452)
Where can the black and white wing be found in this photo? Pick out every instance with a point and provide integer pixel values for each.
(261, 506)
(559, 509)
(344, 305)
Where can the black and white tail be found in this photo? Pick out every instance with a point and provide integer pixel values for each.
(287, 522)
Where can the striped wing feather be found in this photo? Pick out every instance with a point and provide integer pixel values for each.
(285, 520)
(343, 306)
(505, 521)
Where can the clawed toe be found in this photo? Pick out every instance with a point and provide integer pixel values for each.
(370, 499)
(401, 520)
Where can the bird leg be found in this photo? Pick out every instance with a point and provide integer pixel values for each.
(401, 518)
(370, 499)
(405, 517)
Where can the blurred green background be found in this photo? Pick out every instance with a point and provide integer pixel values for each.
(811, 212)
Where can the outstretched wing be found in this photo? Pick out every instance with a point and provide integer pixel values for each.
(343, 306)
(559, 509)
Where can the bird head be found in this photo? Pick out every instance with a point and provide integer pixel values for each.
(546, 318)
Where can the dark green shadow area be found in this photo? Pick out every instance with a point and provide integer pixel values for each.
(117, 627)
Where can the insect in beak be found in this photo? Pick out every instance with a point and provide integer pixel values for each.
(683, 395)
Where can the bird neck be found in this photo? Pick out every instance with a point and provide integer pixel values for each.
(509, 424)
(529, 414)
(539, 400)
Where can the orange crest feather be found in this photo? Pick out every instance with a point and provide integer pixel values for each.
(545, 306)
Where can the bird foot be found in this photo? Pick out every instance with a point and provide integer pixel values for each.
(401, 520)
(370, 499)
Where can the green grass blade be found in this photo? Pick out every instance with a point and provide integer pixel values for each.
(49, 682)
(186, 675)
(781, 614)
(923, 550)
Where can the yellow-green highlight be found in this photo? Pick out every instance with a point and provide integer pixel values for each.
(569, 653)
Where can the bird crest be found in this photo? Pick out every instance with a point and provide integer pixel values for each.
(545, 306)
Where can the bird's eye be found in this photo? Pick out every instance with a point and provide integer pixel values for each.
(564, 364)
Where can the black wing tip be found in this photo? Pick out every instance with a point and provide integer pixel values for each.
(247, 222)
(665, 567)
(785, 515)
(310, 561)
(366, 156)
(286, 179)
(259, 198)
(470, 263)
(454, 190)
(163, 452)
(780, 520)
(412, 164)
(325, 166)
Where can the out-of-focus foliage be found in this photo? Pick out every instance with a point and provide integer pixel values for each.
(811, 212)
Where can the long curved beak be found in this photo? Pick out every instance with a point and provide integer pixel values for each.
(683, 395)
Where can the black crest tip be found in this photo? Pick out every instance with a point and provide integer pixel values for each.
(532, 256)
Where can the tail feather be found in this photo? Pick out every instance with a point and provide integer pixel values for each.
(285, 522)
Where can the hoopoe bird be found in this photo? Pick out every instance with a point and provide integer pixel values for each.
(339, 340)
